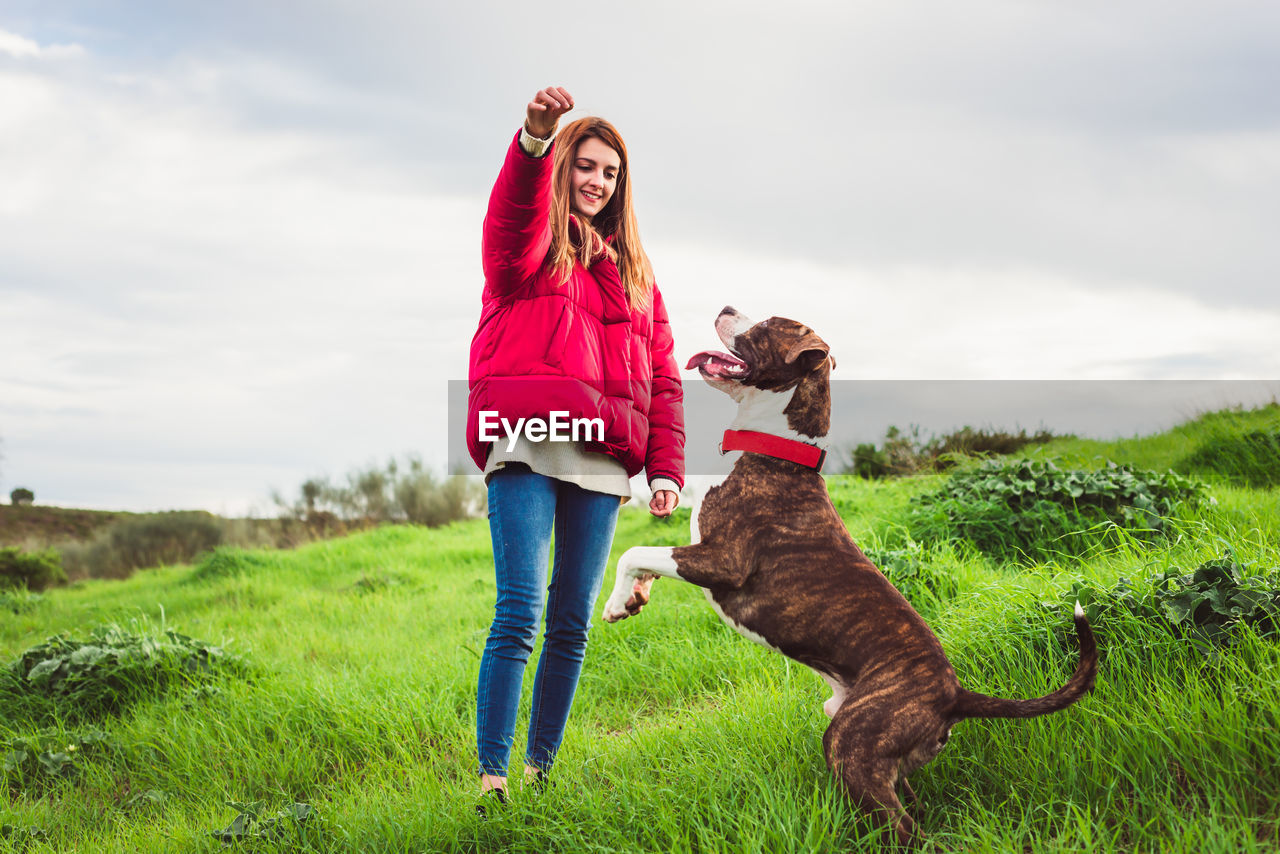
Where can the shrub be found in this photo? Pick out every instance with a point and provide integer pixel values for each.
(971, 442)
(1032, 509)
(916, 576)
(145, 541)
(869, 462)
(253, 823)
(19, 601)
(396, 493)
(426, 500)
(904, 452)
(109, 671)
(30, 570)
(225, 561)
(22, 495)
(1204, 606)
(1252, 459)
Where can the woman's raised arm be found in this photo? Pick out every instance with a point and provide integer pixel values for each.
(517, 233)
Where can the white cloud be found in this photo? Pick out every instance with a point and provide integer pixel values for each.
(972, 323)
(182, 286)
(1243, 158)
(20, 47)
(211, 286)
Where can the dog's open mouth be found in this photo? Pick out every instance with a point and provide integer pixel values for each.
(715, 365)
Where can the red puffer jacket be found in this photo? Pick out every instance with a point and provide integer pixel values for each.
(577, 347)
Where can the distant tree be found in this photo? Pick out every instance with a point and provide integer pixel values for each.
(22, 495)
(398, 492)
(369, 493)
(312, 491)
(314, 498)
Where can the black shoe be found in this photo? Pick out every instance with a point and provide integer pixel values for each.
(538, 782)
(489, 798)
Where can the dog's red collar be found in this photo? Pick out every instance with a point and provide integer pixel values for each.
(810, 456)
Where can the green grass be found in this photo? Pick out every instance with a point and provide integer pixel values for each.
(1160, 451)
(358, 700)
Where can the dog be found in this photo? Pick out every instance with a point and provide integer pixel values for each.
(778, 565)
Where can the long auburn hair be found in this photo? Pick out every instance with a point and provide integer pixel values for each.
(617, 220)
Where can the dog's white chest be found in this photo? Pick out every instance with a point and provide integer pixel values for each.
(735, 625)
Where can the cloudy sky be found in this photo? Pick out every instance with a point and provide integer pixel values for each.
(239, 242)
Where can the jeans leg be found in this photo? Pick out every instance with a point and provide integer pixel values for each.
(521, 513)
(584, 527)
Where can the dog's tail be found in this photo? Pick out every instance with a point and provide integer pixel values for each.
(972, 705)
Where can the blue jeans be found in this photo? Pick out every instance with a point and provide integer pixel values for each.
(523, 508)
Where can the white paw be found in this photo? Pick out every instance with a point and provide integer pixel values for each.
(615, 609)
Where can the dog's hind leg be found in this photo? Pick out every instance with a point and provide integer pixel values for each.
(859, 752)
(868, 784)
(906, 789)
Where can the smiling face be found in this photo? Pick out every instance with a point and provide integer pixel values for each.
(593, 176)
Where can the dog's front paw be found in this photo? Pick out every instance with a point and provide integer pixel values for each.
(615, 609)
(640, 592)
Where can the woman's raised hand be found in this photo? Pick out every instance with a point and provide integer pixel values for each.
(544, 111)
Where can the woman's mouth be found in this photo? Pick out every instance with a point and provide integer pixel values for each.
(592, 198)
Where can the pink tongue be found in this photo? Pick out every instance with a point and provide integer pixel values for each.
(716, 364)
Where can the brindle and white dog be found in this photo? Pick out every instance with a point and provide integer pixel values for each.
(777, 564)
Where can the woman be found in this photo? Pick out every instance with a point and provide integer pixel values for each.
(571, 323)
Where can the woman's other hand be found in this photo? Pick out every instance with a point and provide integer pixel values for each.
(663, 502)
(544, 111)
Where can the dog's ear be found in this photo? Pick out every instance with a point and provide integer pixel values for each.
(810, 350)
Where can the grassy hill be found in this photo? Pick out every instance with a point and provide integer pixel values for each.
(38, 525)
(339, 713)
(1223, 431)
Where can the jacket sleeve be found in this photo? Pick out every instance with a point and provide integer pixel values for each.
(664, 456)
(517, 232)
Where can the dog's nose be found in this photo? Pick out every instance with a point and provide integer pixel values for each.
(728, 309)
